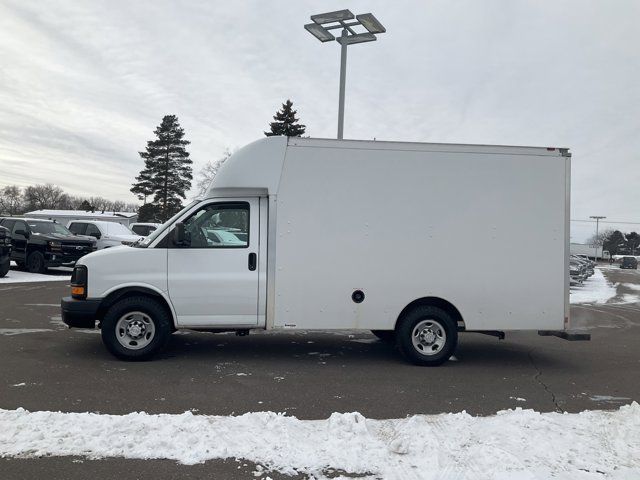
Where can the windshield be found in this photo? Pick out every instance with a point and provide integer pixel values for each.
(48, 227)
(118, 229)
(162, 228)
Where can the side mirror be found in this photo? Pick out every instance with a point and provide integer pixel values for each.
(179, 235)
(97, 235)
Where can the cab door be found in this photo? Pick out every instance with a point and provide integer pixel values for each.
(20, 240)
(213, 275)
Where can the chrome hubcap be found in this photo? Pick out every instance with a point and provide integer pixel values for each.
(428, 337)
(135, 330)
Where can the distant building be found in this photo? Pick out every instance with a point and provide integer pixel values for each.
(65, 216)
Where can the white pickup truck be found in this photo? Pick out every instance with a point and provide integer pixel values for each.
(313, 234)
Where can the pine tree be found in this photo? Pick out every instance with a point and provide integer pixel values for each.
(285, 122)
(167, 171)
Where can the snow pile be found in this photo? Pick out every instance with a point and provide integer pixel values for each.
(513, 444)
(594, 290)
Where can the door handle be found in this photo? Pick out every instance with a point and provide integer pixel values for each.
(252, 261)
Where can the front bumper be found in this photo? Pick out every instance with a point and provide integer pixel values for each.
(80, 313)
(56, 259)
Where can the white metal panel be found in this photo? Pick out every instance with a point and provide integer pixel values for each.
(262, 261)
(398, 224)
(118, 267)
(214, 286)
(255, 166)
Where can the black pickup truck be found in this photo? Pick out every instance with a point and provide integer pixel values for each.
(5, 251)
(39, 244)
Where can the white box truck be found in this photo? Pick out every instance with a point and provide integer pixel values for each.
(317, 234)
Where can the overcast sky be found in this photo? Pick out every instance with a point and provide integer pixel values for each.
(84, 84)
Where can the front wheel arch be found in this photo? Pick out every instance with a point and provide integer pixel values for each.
(134, 291)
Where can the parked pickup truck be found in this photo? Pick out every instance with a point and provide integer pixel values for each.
(254, 253)
(5, 251)
(39, 244)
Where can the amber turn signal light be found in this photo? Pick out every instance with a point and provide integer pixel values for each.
(77, 292)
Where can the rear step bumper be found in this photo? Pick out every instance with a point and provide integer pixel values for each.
(566, 335)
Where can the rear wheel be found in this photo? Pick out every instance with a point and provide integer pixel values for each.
(136, 328)
(35, 262)
(427, 335)
(4, 267)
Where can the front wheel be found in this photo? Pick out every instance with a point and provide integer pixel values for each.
(136, 328)
(427, 336)
(35, 262)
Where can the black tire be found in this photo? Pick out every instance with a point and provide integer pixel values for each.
(35, 262)
(155, 313)
(387, 336)
(439, 328)
(4, 267)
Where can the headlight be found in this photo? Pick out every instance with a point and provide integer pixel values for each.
(55, 245)
(79, 282)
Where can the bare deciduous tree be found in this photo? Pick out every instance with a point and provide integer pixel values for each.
(602, 236)
(11, 200)
(44, 197)
(209, 171)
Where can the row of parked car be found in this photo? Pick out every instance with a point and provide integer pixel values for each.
(37, 244)
(580, 268)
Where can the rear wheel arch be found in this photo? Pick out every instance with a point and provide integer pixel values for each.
(437, 302)
(134, 291)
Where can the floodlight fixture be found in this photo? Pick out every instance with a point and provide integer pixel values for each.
(351, 26)
(337, 16)
(371, 23)
(357, 38)
(319, 32)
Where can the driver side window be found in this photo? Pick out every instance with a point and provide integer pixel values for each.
(19, 226)
(218, 225)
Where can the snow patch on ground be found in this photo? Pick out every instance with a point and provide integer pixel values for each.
(513, 444)
(594, 290)
(608, 398)
(57, 275)
(20, 331)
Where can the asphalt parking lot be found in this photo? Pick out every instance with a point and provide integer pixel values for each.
(45, 366)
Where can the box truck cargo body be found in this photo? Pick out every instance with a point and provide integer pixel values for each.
(320, 234)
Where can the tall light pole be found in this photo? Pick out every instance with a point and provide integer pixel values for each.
(597, 219)
(344, 19)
